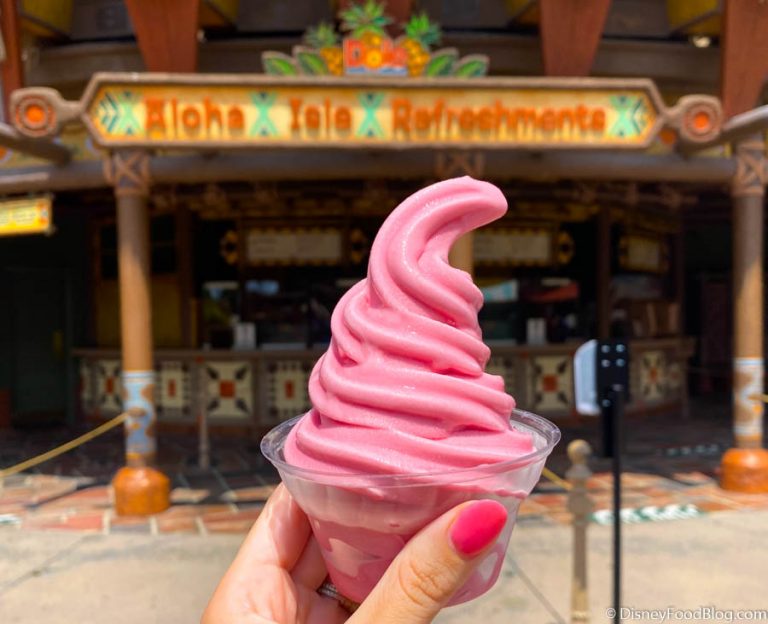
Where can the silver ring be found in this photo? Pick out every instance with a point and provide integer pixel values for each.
(329, 590)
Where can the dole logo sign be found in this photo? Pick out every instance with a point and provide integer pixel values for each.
(382, 56)
(366, 49)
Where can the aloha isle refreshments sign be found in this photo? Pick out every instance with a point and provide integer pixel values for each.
(159, 111)
(365, 89)
(375, 115)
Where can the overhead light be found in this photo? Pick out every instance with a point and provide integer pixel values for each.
(701, 41)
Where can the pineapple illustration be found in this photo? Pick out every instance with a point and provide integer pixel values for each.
(366, 22)
(420, 35)
(323, 38)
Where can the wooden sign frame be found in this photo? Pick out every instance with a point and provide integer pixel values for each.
(42, 112)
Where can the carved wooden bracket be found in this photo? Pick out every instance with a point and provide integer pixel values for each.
(751, 168)
(42, 112)
(696, 118)
(128, 172)
(455, 163)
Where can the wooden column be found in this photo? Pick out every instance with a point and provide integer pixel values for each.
(460, 255)
(11, 69)
(139, 488)
(570, 34)
(745, 468)
(452, 164)
(603, 261)
(167, 33)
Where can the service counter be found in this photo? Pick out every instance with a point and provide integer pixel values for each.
(258, 389)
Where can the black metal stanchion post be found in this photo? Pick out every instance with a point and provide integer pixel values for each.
(613, 390)
(617, 417)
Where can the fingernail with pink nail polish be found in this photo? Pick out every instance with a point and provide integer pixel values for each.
(477, 525)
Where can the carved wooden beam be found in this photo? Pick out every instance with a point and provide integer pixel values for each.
(735, 129)
(570, 34)
(11, 69)
(167, 33)
(39, 148)
(271, 165)
(744, 54)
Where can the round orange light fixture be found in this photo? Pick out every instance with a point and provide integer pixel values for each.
(34, 114)
(702, 121)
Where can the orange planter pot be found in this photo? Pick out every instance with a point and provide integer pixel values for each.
(745, 470)
(141, 491)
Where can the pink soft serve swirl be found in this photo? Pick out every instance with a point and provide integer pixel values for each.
(402, 387)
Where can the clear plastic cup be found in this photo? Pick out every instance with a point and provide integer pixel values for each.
(363, 521)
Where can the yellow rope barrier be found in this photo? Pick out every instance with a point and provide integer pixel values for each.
(118, 420)
(548, 474)
(68, 446)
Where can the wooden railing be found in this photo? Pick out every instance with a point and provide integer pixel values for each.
(263, 388)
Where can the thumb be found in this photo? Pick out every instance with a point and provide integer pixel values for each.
(433, 565)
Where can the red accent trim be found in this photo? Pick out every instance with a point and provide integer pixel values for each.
(227, 389)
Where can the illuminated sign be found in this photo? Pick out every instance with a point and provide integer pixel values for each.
(643, 253)
(514, 246)
(233, 111)
(270, 246)
(153, 111)
(30, 215)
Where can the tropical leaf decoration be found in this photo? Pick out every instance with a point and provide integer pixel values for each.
(420, 34)
(423, 30)
(366, 19)
(325, 41)
(310, 61)
(323, 35)
(471, 66)
(321, 53)
(279, 64)
(442, 62)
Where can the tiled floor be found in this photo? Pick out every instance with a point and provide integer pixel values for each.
(37, 502)
(668, 461)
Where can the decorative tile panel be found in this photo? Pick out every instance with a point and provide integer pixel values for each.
(653, 376)
(551, 379)
(505, 368)
(172, 390)
(230, 390)
(109, 388)
(86, 385)
(674, 379)
(287, 393)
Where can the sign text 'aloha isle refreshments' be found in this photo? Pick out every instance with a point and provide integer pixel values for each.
(373, 114)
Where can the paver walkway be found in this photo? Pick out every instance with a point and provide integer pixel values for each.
(669, 461)
(60, 503)
(716, 560)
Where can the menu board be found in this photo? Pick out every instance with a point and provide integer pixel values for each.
(514, 246)
(296, 246)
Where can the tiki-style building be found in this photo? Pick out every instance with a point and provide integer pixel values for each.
(190, 185)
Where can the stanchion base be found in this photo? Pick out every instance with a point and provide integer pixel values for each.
(745, 470)
(141, 491)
